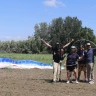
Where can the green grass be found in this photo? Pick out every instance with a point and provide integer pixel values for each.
(45, 58)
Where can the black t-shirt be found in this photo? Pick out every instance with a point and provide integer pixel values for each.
(56, 54)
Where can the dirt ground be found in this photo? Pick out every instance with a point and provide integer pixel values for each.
(36, 82)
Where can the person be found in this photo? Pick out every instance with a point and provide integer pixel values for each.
(71, 64)
(90, 63)
(81, 63)
(57, 59)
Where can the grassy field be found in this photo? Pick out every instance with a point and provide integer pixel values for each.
(45, 58)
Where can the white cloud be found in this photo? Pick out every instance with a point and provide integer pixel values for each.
(53, 3)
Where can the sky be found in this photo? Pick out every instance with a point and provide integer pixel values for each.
(18, 17)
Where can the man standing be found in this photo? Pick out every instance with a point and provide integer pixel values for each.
(90, 63)
(57, 57)
(82, 63)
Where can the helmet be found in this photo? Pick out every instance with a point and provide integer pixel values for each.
(73, 47)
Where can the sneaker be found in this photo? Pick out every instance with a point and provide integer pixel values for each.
(68, 82)
(91, 82)
(77, 82)
(71, 81)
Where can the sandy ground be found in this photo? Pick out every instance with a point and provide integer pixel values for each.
(36, 82)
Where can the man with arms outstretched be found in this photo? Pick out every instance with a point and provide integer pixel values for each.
(57, 58)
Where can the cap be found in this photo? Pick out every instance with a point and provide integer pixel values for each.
(88, 44)
(73, 47)
(57, 43)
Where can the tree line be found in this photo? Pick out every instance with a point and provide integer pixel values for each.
(60, 30)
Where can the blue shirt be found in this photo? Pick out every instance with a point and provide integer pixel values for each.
(72, 59)
(90, 55)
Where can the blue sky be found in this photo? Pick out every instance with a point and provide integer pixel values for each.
(18, 17)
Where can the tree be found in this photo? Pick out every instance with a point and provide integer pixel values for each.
(60, 30)
(41, 31)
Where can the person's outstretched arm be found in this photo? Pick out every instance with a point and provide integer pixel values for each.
(47, 44)
(68, 43)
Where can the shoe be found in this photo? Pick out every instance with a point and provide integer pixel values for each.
(71, 81)
(91, 82)
(77, 82)
(68, 82)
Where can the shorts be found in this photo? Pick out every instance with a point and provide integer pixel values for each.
(82, 67)
(71, 68)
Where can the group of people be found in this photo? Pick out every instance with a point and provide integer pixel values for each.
(77, 60)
